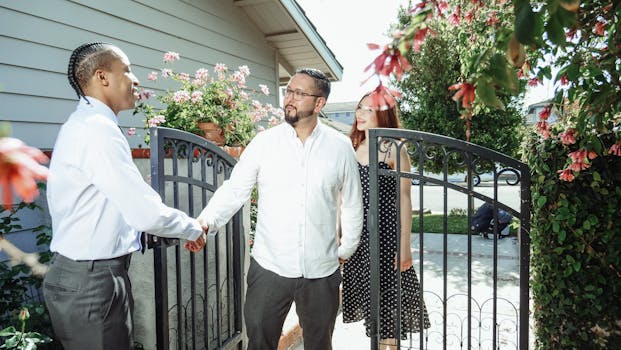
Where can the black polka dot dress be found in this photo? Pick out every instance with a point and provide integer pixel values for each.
(356, 272)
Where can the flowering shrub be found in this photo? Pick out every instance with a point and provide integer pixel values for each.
(222, 99)
(504, 41)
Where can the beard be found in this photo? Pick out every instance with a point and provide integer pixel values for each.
(293, 116)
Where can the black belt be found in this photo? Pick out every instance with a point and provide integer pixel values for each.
(119, 261)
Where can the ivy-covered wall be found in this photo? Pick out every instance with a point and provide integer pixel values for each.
(576, 248)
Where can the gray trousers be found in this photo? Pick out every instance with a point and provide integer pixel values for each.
(90, 303)
(268, 300)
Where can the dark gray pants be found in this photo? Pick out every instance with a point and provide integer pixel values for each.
(268, 300)
(90, 303)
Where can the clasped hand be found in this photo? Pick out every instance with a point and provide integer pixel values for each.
(197, 245)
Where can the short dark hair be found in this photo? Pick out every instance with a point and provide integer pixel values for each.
(321, 80)
(85, 60)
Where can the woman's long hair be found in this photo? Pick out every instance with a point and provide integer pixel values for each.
(386, 118)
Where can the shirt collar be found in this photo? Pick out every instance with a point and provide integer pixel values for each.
(291, 131)
(95, 105)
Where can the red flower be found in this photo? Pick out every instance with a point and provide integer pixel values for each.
(533, 82)
(389, 61)
(615, 149)
(469, 16)
(492, 19)
(568, 137)
(465, 92)
(545, 113)
(455, 17)
(564, 80)
(19, 168)
(419, 38)
(383, 98)
(543, 128)
(600, 28)
(566, 175)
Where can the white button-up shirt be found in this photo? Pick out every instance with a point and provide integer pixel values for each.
(97, 198)
(299, 186)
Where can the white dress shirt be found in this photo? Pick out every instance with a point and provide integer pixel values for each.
(299, 185)
(97, 198)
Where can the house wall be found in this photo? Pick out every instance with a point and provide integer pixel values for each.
(37, 37)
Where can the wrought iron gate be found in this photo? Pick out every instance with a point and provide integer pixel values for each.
(198, 296)
(485, 306)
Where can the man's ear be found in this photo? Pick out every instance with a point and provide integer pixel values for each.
(101, 77)
(320, 102)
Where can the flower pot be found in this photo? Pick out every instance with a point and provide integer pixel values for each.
(212, 132)
(234, 151)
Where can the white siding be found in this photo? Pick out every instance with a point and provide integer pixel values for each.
(37, 37)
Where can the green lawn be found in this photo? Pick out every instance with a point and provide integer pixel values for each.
(433, 223)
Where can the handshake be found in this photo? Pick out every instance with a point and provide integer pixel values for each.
(198, 244)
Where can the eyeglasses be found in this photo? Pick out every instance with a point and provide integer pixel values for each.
(298, 95)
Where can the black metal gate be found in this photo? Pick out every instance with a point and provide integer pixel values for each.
(473, 300)
(198, 296)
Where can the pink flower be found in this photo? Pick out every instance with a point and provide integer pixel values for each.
(244, 70)
(220, 67)
(492, 19)
(184, 76)
(152, 76)
(166, 73)
(264, 89)
(181, 96)
(197, 96)
(157, 120)
(273, 121)
(615, 149)
(171, 56)
(202, 74)
(455, 17)
(566, 175)
(568, 137)
(534, 82)
(543, 128)
(19, 168)
(469, 16)
(131, 131)
(239, 78)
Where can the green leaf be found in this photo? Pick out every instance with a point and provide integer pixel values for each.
(555, 227)
(487, 94)
(561, 236)
(541, 201)
(555, 31)
(8, 331)
(525, 23)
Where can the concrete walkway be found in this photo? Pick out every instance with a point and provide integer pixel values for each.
(352, 336)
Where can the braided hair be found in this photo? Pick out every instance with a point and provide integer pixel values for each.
(85, 60)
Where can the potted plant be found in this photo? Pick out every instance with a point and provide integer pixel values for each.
(219, 107)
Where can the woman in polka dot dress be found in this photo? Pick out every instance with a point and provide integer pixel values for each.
(356, 272)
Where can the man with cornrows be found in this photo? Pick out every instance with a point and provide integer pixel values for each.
(99, 206)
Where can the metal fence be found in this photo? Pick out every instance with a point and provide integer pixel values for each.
(198, 296)
(473, 303)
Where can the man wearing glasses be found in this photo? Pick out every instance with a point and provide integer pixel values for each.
(300, 168)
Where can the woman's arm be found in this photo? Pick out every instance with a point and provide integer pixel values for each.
(406, 212)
